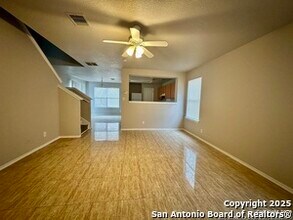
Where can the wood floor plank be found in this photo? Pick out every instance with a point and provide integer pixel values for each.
(126, 179)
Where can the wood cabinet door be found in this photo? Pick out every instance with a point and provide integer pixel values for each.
(163, 89)
(168, 91)
(172, 93)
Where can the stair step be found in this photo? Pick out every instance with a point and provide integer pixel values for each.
(83, 128)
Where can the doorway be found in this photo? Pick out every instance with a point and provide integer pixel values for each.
(148, 94)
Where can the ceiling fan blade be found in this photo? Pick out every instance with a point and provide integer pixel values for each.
(154, 43)
(125, 53)
(135, 34)
(148, 53)
(116, 42)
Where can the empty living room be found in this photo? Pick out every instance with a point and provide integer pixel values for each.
(146, 109)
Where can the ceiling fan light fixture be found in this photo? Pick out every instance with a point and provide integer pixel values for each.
(130, 51)
(139, 52)
(137, 44)
(138, 56)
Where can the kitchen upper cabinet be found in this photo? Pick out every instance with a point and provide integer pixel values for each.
(168, 91)
(172, 90)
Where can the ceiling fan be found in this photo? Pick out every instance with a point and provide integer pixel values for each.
(137, 44)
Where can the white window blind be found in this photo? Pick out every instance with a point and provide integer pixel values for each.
(193, 99)
(106, 97)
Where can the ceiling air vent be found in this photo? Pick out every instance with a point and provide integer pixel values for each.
(91, 63)
(78, 19)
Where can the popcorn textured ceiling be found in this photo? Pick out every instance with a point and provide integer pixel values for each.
(197, 30)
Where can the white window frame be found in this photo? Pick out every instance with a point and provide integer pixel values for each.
(197, 99)
(107, 98)
(80, 85)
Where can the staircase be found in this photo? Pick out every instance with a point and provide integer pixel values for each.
(84, 125)
(83, 128)
(85, 103)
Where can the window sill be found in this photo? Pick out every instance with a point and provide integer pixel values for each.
(145, 102)
(191, 119)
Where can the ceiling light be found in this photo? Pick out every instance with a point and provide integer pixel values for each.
(139, 52)
(130, 51)
(136, 43)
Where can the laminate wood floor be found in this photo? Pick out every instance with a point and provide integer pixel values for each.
(126, 179)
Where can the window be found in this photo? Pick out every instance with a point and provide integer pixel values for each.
(78, 85)
(193, 99)
(106, 97)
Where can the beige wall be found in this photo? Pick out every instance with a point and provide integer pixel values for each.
(28, 93)
(158, 115)
(247, 103)
(69, 114)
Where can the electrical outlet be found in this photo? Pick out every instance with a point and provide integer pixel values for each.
(45, 134)
(201, 130)
(142, 122)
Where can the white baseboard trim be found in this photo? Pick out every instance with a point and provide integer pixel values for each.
(151, 129)
(26, 154)
(72, 136)
(34, 150)
(282, 185)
